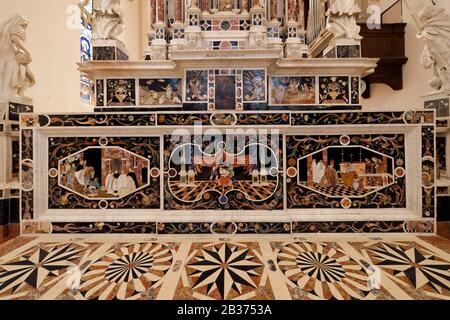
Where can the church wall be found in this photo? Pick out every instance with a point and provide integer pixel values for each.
(54, 62)
(415, 77)
(55, 49)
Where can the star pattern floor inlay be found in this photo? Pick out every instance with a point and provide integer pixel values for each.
(323, 270)
(241, 268)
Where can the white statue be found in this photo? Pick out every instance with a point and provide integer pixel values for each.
(193, 41)
(258, 40)
(434, 26)
(342, 19)
(15, 73)
(108, 20)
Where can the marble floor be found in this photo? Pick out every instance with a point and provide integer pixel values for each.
(204, 267)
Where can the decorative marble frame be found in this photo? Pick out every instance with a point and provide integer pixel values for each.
(330, 191)
(444, 173)
(15, 109)
(144, 196)
(441, 104)
(351, 94)
(239, 86)
(10, 158)
(418, 218)
(101, 93)
(108, 50)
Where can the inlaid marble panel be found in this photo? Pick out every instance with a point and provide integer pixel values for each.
(103, 172)
(227, 175)
(224, 271)
(292, 90)
(334, 90)
(348, 171)
(160, 92)
(120, 92)
(212, 268)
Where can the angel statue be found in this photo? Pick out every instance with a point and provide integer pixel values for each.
(15, 73)
(108, 17)
(342, 19)
(434, 25)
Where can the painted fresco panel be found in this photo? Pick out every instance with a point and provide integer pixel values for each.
(225, 92)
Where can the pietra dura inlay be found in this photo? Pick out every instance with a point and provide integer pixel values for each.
(222, 269)
(334, 170)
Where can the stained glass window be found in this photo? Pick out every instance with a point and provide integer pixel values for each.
(86, 48)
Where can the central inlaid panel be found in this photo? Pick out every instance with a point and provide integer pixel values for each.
(237, 172)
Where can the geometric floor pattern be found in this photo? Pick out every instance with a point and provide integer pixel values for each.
(234, 268)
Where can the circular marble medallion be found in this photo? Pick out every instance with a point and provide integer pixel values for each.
(103, 204)
(345, 140)
(399, 172)
(346, 203)
(225, 25)
(172, 173)
(53, 173)
(223, 199)
(291, 172)
(154, 172)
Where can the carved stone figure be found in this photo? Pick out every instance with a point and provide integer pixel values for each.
(293, 51)
(225, 5)
(342, 18)
(15, 73)
(158, 52)
(108, 20)
(193, 41)
(435, 33)
(341, 7)
(258, 40)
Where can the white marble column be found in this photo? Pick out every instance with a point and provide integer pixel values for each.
(159, 43)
